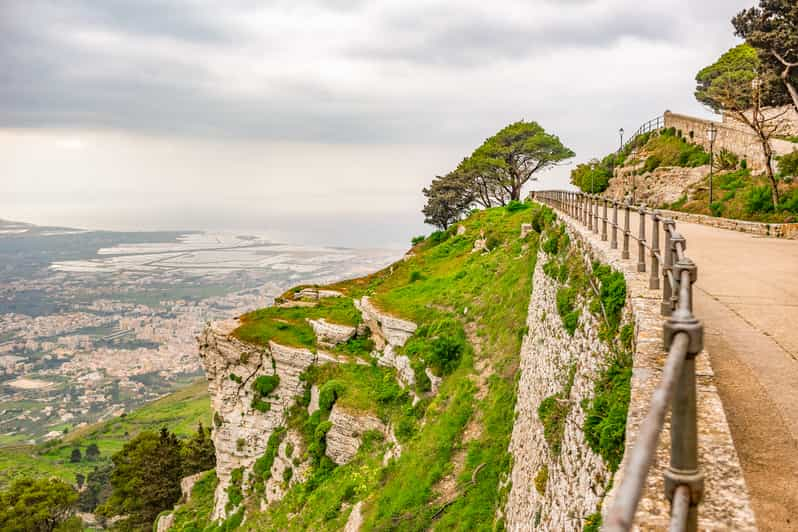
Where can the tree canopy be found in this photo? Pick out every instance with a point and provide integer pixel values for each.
(517, 152)
(39, 505)
(494, 174)
(146, 478)
(772, 29)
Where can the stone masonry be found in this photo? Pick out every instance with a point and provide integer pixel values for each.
(726, 505)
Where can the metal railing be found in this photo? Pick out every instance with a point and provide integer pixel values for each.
(672, 272)
(652, 125)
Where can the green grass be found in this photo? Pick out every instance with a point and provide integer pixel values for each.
(288, 326)
(180, 412)
(469, 307)
(195, 514)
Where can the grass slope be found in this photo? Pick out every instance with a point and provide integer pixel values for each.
(180, 412)
(471, 311)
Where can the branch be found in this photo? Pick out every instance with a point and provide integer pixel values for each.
(783, 61)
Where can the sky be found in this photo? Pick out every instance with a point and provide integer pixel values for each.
(316, 121)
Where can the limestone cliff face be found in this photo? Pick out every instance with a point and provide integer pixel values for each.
(346, 434)
(389, 332)
(241, 433)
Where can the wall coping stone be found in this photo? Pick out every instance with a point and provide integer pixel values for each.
(776, 230)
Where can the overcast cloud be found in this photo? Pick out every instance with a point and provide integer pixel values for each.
(318, 119)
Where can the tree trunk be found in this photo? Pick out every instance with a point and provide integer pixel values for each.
(785, 77)
(774, 187)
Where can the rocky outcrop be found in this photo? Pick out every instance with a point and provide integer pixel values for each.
(316, 293)
(331, 334)
(663, 185)
(285, 460)
(241, 432)
(395, 331)
(345, 435)
(165, 522)
(401, 363)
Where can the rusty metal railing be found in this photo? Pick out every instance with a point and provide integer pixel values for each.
(672, 272)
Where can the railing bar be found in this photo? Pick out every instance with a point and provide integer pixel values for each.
(621, 515)
(680, 509)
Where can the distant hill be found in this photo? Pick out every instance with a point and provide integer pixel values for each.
(179, 412)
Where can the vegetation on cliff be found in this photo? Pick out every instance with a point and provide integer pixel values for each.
(470, 308)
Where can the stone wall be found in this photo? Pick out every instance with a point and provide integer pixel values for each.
(789, 230)
(731, 137)
(576, 479)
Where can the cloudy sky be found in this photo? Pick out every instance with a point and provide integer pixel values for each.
(315, 120)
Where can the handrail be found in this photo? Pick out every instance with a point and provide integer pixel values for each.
(683, 339)
(652, 125)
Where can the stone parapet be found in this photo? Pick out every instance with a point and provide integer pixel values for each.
(788, 230)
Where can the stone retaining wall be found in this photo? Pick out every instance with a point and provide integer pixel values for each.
(726, 505)
(730, 137)
(577, 478)
(755, 228)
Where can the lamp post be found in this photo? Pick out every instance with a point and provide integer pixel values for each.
(712, 133)
(621, 133)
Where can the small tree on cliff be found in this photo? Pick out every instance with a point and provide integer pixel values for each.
(733, 85)
(772, 28)
(448, 197)
(514, 155)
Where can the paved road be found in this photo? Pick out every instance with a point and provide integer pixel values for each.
(747, 296)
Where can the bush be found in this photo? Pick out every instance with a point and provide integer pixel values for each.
(733, 180)
(652, 163)
(417, 240)
(788, 165)
(566, 308)
(265, 384)
(789, 201)
(726, 160)
(235, 378)
(329, 393)
(716, 207)
(541, 478)
(438, 237)
(605, 418)
(759, 200)
(416, 275)
(515, 206)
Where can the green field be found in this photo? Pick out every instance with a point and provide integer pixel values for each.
(180, 412)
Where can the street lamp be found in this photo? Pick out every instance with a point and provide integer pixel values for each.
(712, 134)
(621, 132)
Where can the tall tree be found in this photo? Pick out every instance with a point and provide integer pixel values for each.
(733, 85)
(448, 197)
(40, 505)
(198, 453)
(145, 479)
(517, 153)
(772, 28)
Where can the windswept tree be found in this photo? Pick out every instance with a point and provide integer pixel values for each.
(448, 197)
(517, 153)
(39, 505)
(733, 85)
(484, 182)
(772, 28)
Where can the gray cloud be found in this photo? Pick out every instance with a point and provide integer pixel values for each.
(334, 71)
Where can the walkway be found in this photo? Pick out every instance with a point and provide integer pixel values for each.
(747, 296)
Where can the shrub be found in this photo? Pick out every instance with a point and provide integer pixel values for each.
(541, 478)
(288, 472)
(417, 240)
(241, 443)
(235, 378)
(329, 392)
(592, 522)
(732, 180)
(605, 418)
(416, 275)
(716, 207)
(265, 384)
(726, 160)
(438, 237)
(744, 164)
(566, 308)
(652, 163)
(217, 419)
(759, 200)
(788, 164)
(492, 242)
(515, 206)
(789, 201)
